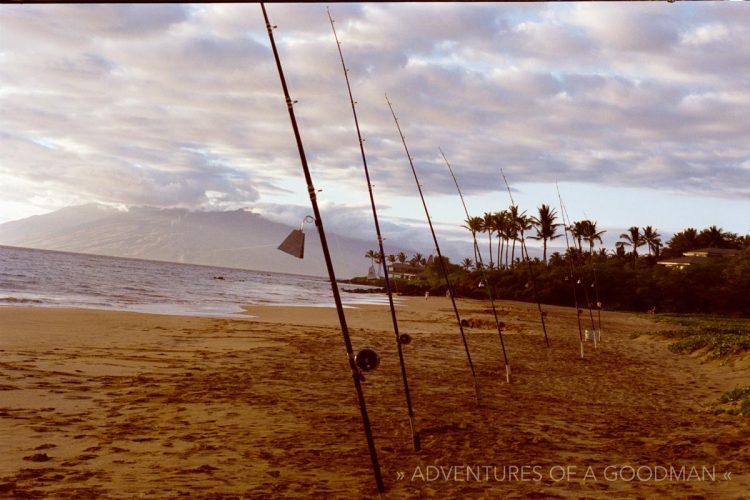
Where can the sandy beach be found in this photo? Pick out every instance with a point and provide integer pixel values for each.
(99, 404)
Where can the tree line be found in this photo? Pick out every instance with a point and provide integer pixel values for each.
(625, 278)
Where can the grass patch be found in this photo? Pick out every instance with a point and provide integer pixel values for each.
(739, 399)
(720, 336)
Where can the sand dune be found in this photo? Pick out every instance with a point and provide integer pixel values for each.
(98, 404)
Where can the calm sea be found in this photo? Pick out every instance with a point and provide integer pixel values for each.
(31, 277)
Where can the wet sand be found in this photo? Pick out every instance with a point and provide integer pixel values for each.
(97, 404)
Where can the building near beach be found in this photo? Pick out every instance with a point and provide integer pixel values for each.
(404, 271)
(698, 256)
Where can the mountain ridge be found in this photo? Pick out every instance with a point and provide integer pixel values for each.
(239, 239)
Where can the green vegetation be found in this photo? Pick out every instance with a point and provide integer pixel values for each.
(720, 338)
(739, 399)
(621, 280)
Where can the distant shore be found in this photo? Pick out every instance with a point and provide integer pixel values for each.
(115, 404)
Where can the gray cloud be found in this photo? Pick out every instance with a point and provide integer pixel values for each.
(181, 106)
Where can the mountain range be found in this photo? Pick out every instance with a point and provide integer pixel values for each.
(238, 239)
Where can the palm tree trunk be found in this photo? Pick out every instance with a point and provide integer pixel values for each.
(489, 240)
(474, 237)
(544, 240)
(500, 253)
(499, 249)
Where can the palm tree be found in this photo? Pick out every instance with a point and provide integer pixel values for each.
(379, 259)
(632, 238)
(517, 221)
(391, 258)
(652, 239)
(488, 226)
(578, 229)
(417, 259)
(545, 227)
(475, 225)
(401, 257)
(524, 224)
(591, 235)
(682, 242)
(467, 263)
(713, 237)
(371, 255)
(501, 223)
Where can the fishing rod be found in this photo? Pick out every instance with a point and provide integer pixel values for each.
(399, 339)
(598, 305)
(532, 274)
(486, 282)
(571, 277)
(442, 263)
(356, 375)
(579, 281)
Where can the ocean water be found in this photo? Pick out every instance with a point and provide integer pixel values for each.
(30, 277)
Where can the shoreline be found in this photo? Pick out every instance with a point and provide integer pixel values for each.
(105, 403)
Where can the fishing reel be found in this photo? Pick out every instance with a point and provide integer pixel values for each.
(404, 339)
(366, 360)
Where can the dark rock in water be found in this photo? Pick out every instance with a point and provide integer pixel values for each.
(218, 277)
(366, 290)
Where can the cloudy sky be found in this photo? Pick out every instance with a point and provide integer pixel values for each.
(640, 111)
